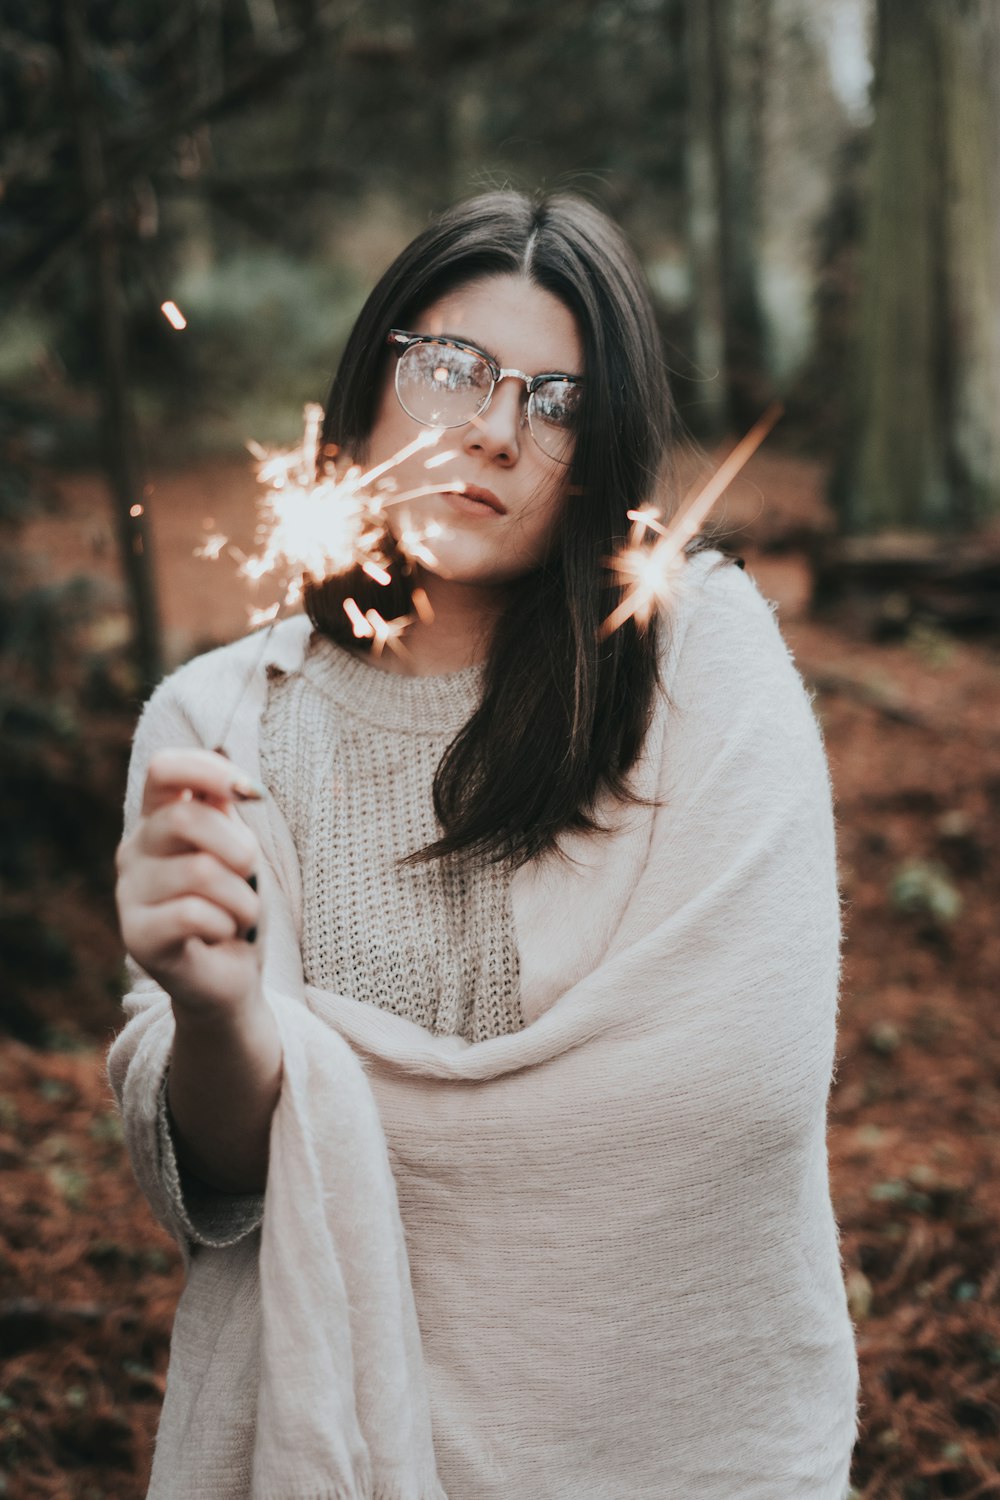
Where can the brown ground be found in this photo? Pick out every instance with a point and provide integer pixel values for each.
(913, 733)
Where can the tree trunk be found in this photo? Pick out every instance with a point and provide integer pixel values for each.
(927, 453)
(803, 126)
(744, 50)
(765, 129)
(705, 208)
(117, 418)
(969, 43)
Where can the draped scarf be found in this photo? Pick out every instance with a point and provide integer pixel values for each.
(595, 1258)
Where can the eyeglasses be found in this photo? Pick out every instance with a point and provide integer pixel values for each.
(446, 383)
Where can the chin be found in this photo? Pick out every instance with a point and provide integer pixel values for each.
(471, 572)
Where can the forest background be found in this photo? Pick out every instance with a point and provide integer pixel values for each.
(814, 189)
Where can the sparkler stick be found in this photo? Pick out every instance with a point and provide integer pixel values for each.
(651, 571)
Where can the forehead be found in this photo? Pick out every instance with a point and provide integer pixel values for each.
(522, 325)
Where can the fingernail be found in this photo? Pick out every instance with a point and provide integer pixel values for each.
(245, 790)
(251, 935)
(252, 882)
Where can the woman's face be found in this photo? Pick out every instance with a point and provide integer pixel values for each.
(498, 538)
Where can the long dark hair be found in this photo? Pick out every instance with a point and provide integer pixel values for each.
(564, 712)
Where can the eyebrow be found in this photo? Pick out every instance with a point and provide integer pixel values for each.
(456, 338)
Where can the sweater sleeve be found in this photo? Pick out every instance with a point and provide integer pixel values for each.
(138, 1063)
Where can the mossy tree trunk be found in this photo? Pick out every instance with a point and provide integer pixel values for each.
(926, 451)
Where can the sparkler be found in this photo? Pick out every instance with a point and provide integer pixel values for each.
(313, 523)
(649, 572)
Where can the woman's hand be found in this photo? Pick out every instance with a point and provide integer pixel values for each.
(187, 876)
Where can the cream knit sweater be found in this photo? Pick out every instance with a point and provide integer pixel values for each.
(594, 1257)
(350, 753)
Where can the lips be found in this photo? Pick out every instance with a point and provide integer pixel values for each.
(484, 497)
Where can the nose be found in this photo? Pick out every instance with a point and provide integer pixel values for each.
(496, 432)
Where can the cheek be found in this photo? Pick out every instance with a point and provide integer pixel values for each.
(392, 429)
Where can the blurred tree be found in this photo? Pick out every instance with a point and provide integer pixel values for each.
(285, 132)
(707, 212)
(119, 436)
(99, 101)
(769, 115)
(926, 453)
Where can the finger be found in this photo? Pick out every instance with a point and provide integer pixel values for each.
(162, 880)
(197, 773)
(154, 933)
(180, 827)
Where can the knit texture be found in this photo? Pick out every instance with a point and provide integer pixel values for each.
(350, 753)
(203, 1215)
(612, 1227)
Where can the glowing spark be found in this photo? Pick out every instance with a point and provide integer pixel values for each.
(422, 606)
(647, 517)
(314, 524)
(425, 439)
(359, 624)
(211, 547)
(411, 542)
(650, 571)
(136, 510)
(387, 632)
(450, 487)
(173, 315)
(440, 459)
(317, 524)
(264, 616)
(253, 567)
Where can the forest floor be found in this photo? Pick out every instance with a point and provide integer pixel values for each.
(913, 734)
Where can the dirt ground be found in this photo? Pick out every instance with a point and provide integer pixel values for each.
(913, 734)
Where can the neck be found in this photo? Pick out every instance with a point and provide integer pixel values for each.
(458, 637)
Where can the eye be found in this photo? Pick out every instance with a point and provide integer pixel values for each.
(454, 369)
(439, 383)
(557, 402)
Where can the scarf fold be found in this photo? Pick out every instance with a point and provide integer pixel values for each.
(613, 1228)
(342, 1405)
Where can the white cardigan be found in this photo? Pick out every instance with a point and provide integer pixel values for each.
(592, 1260)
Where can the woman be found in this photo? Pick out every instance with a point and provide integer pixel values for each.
(481, 1067)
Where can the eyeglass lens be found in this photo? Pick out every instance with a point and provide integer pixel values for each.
(444, 386)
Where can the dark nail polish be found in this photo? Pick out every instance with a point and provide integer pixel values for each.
(245, 789)
(252, 882)
(251, 936)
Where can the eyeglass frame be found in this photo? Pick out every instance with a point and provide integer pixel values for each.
(401, 340)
